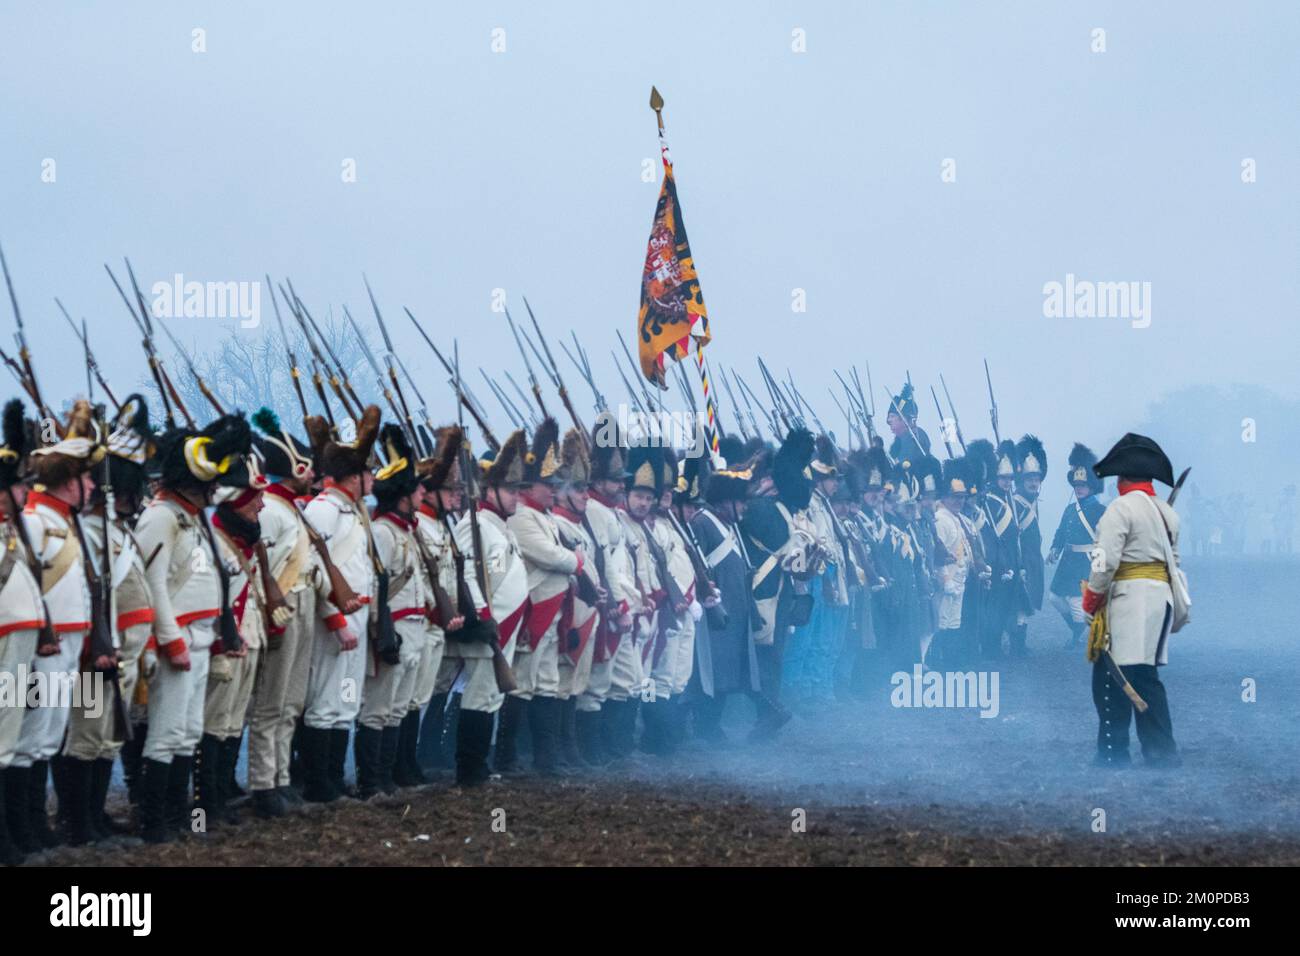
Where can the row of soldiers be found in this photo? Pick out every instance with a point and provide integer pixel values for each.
(324, 596)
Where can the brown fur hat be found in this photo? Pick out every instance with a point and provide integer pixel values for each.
(337, 459)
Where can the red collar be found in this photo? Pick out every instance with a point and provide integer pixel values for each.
(567, 514)
(1126, 486)
(485, 505)
(280, 491)
(531, 502)
(604, 500)
(395, 518)
(431, 511)
(331, 483)
(60, 507)
(186, 505)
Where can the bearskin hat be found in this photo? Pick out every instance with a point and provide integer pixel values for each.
(956, 478)
(905, 403)
(1033, 459)
(731, 449)
(872, 467)
(17, 443)
(442, 469)
(904, 483)
(189, 458)
(337, 459)
(1081, 462)
(505, 467)
(283, 455)
(1008, 460)
(1136, 456)
(693, 482)
(398, 475)
(131, 444)
(542, 460)
(929, 476)
(671, 467)
(645, 469)
(983, 459)
(826, 459)
(790, 468)
(575, 463)
(80, 449)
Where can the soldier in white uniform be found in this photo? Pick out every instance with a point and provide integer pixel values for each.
(444, 497)
(61, 489)
(185, 585)
(232, 672)
(91, 747)
(551, 569)
(645, 486)
(501, 613)
(578, 647)
(952, 564)
(601, 706)
(339, 647)
(281, 690)
(1130, 595)
(390, 680)
(22, 617)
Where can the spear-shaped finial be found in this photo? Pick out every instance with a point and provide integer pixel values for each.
(657, 104)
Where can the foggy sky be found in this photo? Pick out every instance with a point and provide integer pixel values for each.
(819, 170)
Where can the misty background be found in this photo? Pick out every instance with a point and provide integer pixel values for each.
(819, 171)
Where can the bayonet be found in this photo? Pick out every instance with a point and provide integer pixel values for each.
(461, 396)
(554, 372)
(528, 366)
(943, 426)
(91, 365)
(952, 410)
(147, 344)
(993, 404)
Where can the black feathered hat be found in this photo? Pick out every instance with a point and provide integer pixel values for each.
(1082, 458)
(1136, 456)
(956, 478)
(1033, 459)
(283, 455)
(826, 459)
(645, 469)
(505, 467)
(17, 443)
(191, 459)
(929, 476)
(790, 468)
(398, 475)
(873, 467)
(904, 403)
(1008, 460)
(542, 462)
(983, 461)
(693, 482)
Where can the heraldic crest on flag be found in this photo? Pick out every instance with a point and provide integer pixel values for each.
(672, 320)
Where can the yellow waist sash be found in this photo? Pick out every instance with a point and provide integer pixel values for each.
(1099, 632)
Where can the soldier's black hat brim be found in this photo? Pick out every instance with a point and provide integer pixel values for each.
(1136, 456)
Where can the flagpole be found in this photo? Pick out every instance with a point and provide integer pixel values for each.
(714, 426)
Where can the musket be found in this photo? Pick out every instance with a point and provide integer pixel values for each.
(194, 372)
(294, 372)
(423, 406)
(147, 326)
(869, 413)
(532, 379)
(338, 378)
(773, 425)
(735, 406)
(512, 413)
(942, 424)
(993, 404)
(17, 371)
(636, 402)
(899, 412)
(806, 406)
(848, 413)
(392, 369)
(528, 413)
(91, 364)
(952, 410)
(505, 678)
(155, 366)
(461, 398)
(639, 379)
(24, 353)
(785, 413)
(409, 428)
(318, 382)
(584, 369)
(557, 380)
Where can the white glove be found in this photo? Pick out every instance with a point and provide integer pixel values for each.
(697, 610)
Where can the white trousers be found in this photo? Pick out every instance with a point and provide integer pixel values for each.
(91, 737)
(337, 677)
(537, 672)
(227, 702)
(176, 698)
(43, 726)
(279, 695)
(625, 673)
(17, 648)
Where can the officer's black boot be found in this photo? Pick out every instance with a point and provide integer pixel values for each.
(36, 806)
(389, 738)
(101, 779)
(338, 759)
(227, 786)
(366, 753)
(154, 777)
(178, 804)
(133, 762)
(586, 730)
(473, 741)
(568, 754)
(544, 719)
(17, 783)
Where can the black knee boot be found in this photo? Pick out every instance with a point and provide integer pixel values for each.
(17, 784)
(389, 738)
(338, 761)
(586, 730)
(36, 806)
(544, 719)
(367, 747)
(506, 759)
(611, 720)
(101, 779)
(133, 762)
(179, 803)
(473, 741)
(76, 795)
(207, 776)
(62, 798)
(154, 777)
(10, 853)
(314, 749)
(429, 746)
(568, 739)
(407, 772)
(227, 788)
